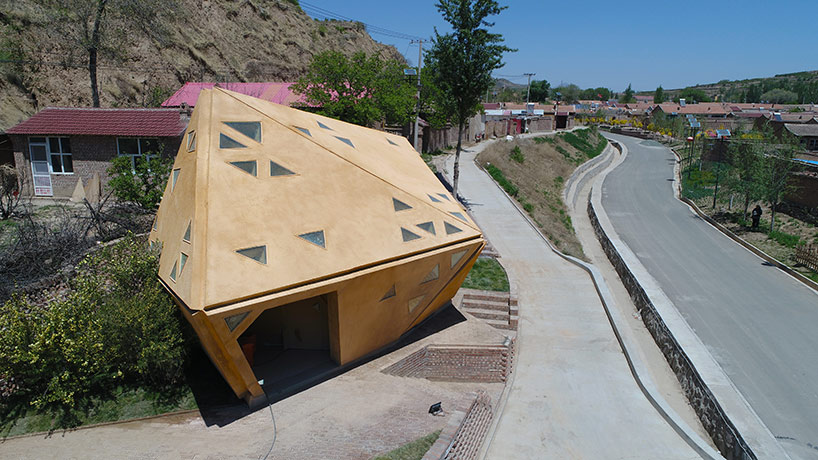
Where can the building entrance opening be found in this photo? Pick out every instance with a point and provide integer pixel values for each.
(289, 345)
(562, 121)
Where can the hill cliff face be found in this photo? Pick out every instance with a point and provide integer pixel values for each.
(202, 40)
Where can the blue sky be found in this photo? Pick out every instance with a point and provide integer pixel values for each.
(612, 43)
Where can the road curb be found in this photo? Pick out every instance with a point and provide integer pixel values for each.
(702, 378)
(635, 364)
(784, 267)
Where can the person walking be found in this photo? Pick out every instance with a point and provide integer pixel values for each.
(756, 216)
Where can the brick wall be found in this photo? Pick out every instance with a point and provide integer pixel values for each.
(90, 155)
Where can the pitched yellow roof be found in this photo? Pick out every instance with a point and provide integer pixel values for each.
(264, 197)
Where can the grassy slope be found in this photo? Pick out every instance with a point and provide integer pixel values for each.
(540, 177)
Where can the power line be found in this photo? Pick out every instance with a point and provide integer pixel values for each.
(317, 11)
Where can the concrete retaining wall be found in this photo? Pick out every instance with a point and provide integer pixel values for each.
(722, 431)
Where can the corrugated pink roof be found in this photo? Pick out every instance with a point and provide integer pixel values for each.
(102, 122)
(278, 92)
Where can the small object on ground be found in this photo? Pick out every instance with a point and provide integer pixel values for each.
(509, 138)
(436, 409)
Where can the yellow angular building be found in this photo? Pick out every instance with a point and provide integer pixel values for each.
(305, 232)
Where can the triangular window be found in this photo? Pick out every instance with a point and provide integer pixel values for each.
(257, 253)
(175, 178)
(407, 235)
(316, 238)
(413, 304)
(389, 294)
(251, 129)
(304, 130)
(173, 271)
(247, 166)
(182, 261)
(432, 275)
(459, 216)
(400, 205)
(390, 141)
(450, 229)
(433, 198)
(227, 142)
(444, 196)
(234, 321)
(323, 125)
(191, 141)
(428, 226)
(278, 170)
(187, 233)
(345, 141)
(457, 256)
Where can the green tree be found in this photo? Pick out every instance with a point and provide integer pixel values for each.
(659, 95)
(567, 93)
(95, 26)
(539, 90)
(774, 173)
(462, 61)
(745, 162)
(780, 96)
(359, 89)
(692, 95)
(627, 96)
(753, 93)
(140, 181)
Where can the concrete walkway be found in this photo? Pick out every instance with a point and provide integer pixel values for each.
(572, 395)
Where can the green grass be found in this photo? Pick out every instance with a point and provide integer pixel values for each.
(427, 157)
(487, 274)
(501, 179)
(414, 450)
(698, 184)
(123, 404)
(784, 238)
(544, 140)
(517, 154)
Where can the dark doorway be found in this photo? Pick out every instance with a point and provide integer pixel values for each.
(289, 345)
(562, 121)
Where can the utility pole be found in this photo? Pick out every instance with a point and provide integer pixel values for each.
(528, 91)
(417, 108)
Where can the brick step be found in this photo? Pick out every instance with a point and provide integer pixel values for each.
(499, 324)
(488, 314)
(486, 304)
(489, 296)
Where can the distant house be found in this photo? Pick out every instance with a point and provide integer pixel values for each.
(278, 92)
(59, 146)
(807, 133)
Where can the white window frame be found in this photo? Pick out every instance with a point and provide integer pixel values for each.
(139, 141)
(49, 153)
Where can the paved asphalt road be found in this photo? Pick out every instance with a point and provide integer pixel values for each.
(760, 324)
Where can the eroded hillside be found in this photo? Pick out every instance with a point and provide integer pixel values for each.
(202, 40)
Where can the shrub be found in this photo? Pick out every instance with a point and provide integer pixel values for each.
(116, 326)
(517, 154)
(141, 183)
(498, 176)
(9, 191)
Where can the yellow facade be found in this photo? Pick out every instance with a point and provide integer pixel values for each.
(269, 206)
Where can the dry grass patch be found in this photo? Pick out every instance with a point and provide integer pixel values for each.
(534, 171)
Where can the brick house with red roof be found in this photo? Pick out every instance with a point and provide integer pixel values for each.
(59, 146)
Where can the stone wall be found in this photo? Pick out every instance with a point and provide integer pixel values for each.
(487, 363)
(713, 418)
